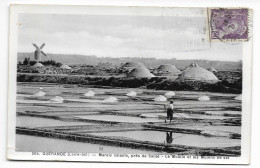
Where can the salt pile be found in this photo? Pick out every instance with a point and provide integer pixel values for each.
(57, 99)
(89, 94)
(169, 68)
(238, 97)
(196, 73)
(65, 67)
(169, 94)
(39, 94)
(148, 116)
(38, 65)
(140, 72)
(160, 98)
(204, 98)
(133, 65)
(111, 99)
(131, 94)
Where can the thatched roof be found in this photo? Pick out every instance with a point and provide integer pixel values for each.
(169, 68)
(140, 72)
(196, 73)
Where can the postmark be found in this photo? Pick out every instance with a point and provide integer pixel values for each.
(229, 24)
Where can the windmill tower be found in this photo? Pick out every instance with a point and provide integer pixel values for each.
(38, 52)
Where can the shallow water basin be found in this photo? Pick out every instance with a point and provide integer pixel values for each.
(32, 122)
(26, 143)
(116, 118)
(175, 138)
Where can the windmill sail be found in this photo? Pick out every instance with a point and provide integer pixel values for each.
(35, 46)
(38, 52)
(43, 53)
(42, 45)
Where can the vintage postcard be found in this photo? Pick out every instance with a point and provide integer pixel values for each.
(130, 84)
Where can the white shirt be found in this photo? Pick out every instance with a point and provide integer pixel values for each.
(171, 106)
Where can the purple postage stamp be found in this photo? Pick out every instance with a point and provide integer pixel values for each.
(229, 24)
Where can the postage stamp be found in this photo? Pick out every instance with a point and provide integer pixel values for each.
(229, 24)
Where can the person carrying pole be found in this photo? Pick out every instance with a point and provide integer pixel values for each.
(170, 111)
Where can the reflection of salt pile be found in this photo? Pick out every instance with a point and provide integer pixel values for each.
(111, 99)
(204, 98)
(239, 97)
(169, 94)
(131, 94)
(160, 98)
(38, 65)
(89, 94)
(39, 94)
(57, 99)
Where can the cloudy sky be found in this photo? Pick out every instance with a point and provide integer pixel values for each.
(123, 36)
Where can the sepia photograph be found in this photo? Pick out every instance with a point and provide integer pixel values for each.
(130, 84)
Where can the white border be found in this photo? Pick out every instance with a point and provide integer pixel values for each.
(246, 106)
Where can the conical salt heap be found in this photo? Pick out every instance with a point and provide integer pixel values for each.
(204, 98)
(133, 65)
(38, 65)
(239, 97)
(57, 99)
(160, 98)
(111, 99)
(39, 94)
(131, 94)
(169, 69)
(89, 94)
(140, 72)
(65, 67)
(169, 94)
(197, 73)
(211, 69)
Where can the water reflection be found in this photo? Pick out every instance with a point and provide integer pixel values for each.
(169, 138)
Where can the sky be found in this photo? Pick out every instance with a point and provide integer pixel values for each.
(180, 37)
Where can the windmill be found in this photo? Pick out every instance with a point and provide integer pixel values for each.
(38, 52)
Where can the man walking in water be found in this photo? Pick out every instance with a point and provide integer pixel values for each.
(170, 111)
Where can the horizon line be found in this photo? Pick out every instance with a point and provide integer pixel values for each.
(133, 57)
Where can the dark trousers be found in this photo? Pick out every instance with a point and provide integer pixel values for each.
(169, 114)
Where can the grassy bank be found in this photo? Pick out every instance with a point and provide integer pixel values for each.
(158, 83)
